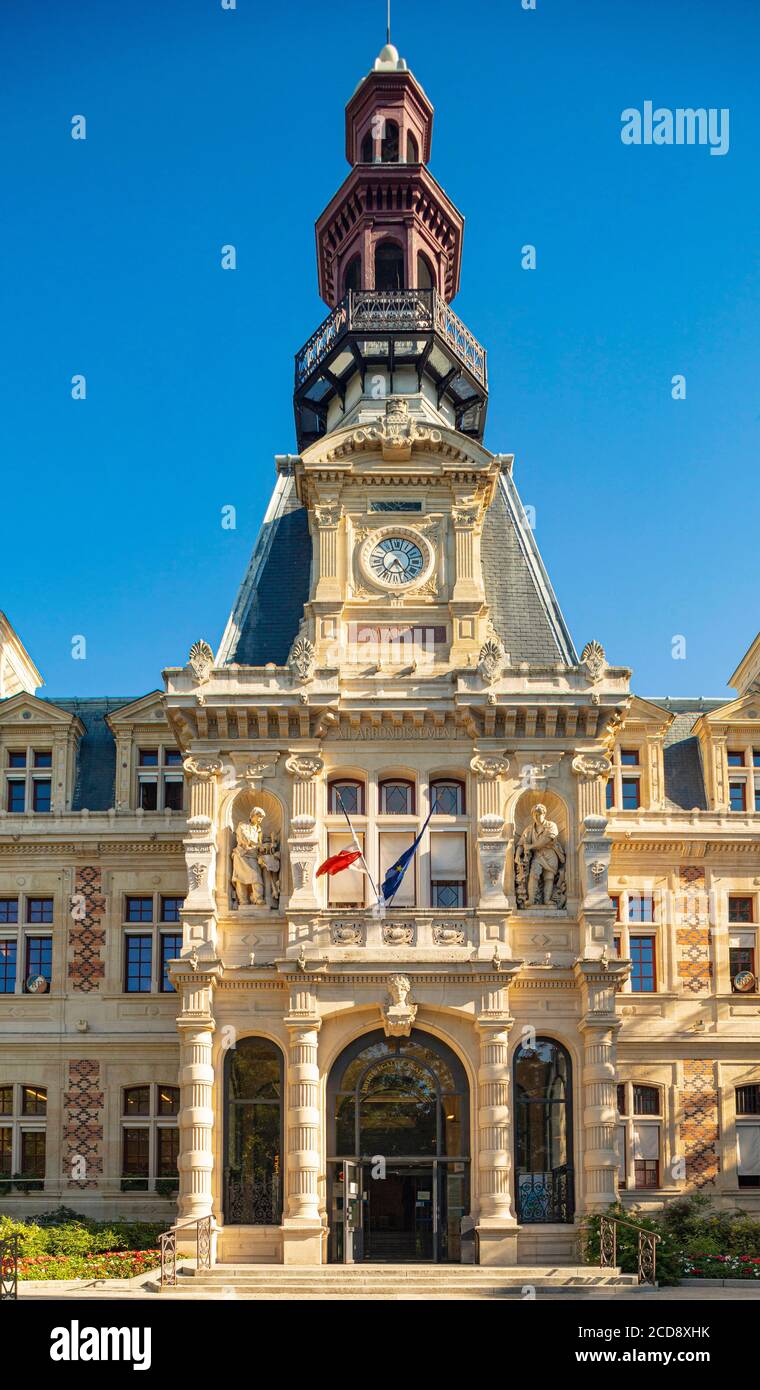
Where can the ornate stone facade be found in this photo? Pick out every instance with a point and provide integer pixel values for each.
(576, 927)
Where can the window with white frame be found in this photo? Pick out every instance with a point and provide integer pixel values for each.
(26, 944)
(23, 1121)
(160, 779)
(639, 1135)
(152, 931)
(28, 776)
(149, 1138)
(748, 1135)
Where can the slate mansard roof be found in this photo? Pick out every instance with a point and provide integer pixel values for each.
(684, 775)
(268, 611)
(96, 755)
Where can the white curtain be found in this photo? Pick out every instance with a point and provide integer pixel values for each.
(748, 1145)
(447, 855)
(348, 885)
(646, 1141)
(392, 844)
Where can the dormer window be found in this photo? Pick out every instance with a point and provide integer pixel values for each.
(28, 786)
(160, 783)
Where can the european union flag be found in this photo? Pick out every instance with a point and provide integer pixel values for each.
(390, 884)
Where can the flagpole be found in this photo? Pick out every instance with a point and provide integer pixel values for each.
(356, 842)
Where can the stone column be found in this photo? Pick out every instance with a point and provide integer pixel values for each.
(496, 1226)
(599, 1027)
(196, 1075)
(302, 1225)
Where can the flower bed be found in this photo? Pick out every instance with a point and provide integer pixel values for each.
(721, 1267)
(107, 1264)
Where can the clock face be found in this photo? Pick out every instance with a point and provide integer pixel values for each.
(396, 560)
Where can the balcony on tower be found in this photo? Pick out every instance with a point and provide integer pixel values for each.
(378, 343)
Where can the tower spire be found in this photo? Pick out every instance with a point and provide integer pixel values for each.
(388, 31)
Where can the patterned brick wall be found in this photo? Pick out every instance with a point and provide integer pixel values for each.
(699, 1123)
(83, 1124)
(693, 931)
(87, 936)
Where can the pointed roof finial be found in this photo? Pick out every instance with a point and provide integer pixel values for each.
(388, 34)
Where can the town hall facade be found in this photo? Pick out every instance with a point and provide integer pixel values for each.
(560, 1003)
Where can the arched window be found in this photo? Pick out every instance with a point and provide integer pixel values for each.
(389, 266)
(368, 151)
(447, 797)
(425, 276)
(253, 1137)
(352, 280)
(345, 795)
(396, 797)
(543, 1139)
(412, 149)
(389, 148)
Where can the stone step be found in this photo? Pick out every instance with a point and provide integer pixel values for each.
(335, 1279)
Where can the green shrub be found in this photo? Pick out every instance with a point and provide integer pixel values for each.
(693, 1235)
(64, 1233)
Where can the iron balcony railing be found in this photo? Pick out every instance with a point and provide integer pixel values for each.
(388, 312)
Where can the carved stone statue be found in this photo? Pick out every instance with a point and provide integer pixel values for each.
(539, 863)
(256, 863)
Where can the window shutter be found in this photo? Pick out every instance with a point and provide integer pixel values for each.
(748, 1146)
(447, 855)
(646, 1141)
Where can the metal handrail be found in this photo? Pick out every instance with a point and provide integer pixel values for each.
(9, 1268)
(168, 1243)
(647, 1252)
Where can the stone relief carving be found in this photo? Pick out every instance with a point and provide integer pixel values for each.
(256, 863)
(306, 769)
(396, 433)
(347, 934)
(595, 661)
(328, 514)
(489, 768)
(591, 766)
(395, 934)
(398, 1012)
(448, 934)
(201, 660)
(540, 863)
(302, 659)
(205, 769)
(491, 659)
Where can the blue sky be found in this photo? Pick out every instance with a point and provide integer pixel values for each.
(207, 127)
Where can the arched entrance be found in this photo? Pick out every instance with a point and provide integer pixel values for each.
(544, 1181)
(398, 1145)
